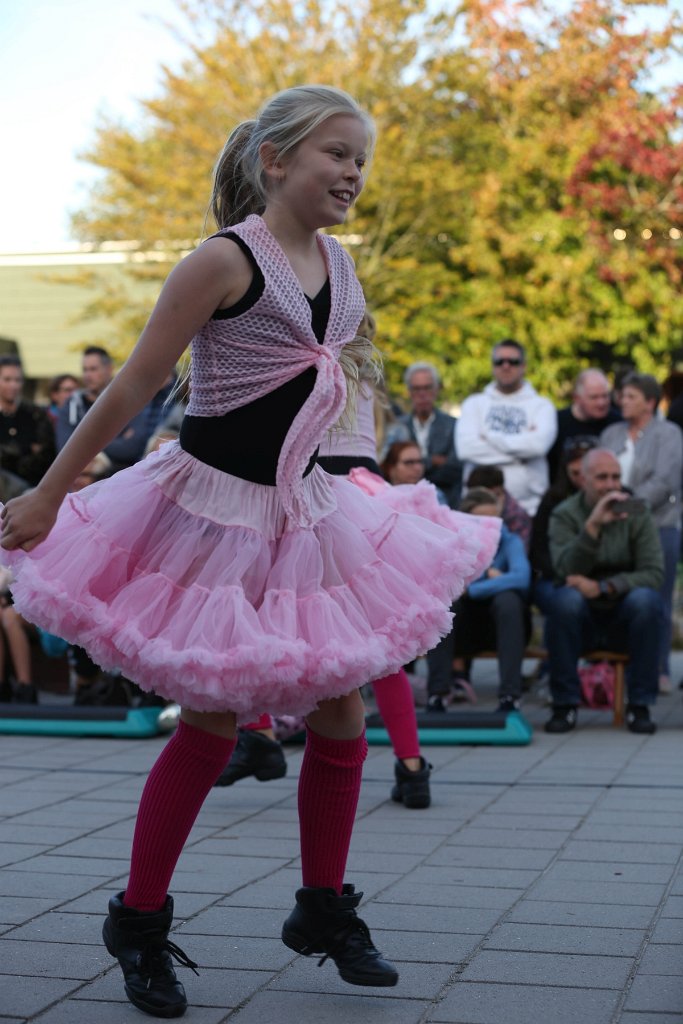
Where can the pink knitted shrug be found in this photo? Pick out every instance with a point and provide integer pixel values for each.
(237, 360)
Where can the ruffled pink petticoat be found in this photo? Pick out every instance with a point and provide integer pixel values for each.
(420, 499)
(196, 584)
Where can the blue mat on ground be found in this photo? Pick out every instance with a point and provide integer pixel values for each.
(75, 720)
(466, 727)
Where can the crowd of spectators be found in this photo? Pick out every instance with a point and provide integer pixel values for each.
(599, 570)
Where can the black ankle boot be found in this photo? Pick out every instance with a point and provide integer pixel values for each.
(140, 942)
(323, 922)
(25, 693)
(254, 754)
(412, 788)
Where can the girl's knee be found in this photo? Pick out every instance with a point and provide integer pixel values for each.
(340, 718)
(219, 723)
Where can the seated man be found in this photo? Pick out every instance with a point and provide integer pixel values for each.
(492, 613)
(608, 567)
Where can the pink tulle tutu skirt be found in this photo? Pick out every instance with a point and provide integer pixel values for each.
(196, 585)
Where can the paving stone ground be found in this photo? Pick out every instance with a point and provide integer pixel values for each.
(543, 885)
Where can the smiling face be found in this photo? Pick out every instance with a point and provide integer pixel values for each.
(322, 177)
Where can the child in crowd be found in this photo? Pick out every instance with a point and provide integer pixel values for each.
(516, 518)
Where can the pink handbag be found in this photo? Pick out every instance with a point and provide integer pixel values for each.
(597, 685)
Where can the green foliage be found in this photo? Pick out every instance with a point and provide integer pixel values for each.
(513, 142)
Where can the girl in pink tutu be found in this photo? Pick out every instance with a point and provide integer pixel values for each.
(227, 571)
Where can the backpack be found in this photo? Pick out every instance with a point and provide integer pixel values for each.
(597, 684)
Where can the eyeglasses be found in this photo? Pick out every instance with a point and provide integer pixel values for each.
(580, 443)
(507, 361)
(410, 462)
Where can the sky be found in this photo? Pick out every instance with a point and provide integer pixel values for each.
(63, 62)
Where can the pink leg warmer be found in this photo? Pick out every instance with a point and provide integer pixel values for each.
(173, 795)
(329, 785)
(396, 705)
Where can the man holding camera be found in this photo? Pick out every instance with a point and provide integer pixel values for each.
(608, 566)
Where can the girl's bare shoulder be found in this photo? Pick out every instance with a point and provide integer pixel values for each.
(218, 266)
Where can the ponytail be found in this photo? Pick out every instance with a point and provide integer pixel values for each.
(234, 196)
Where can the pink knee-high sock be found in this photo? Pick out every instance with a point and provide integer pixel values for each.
(396, 705)
(329, 785)
(173, 795)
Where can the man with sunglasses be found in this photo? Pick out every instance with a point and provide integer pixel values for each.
(510, 425)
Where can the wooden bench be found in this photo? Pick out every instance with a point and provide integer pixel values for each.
(617, 659)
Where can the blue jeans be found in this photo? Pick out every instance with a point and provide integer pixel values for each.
(574, 626)
(543, 594)
(670, 539)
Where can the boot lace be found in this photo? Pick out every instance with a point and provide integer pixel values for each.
(352, 937)
(153, 959)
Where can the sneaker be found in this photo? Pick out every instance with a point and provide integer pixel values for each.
(638, 720)
(508, 703)
(563, 718)
(254, 754)
(435, 703)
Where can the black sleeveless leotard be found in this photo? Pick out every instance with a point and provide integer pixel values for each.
(246, 442)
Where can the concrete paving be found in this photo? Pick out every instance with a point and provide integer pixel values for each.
(543, 885)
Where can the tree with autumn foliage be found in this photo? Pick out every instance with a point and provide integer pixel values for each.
(547, 259)
(516, 145)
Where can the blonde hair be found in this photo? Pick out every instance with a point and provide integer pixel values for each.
(361, 362)
(239, 182)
